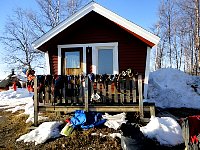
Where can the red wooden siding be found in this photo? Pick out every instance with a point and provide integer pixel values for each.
(94, 28)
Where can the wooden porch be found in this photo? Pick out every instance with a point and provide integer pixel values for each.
(101, 93)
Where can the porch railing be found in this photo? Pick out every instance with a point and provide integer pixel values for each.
(86, 91)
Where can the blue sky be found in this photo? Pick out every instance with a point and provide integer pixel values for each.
(140, 12)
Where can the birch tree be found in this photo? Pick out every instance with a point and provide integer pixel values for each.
(179, 32)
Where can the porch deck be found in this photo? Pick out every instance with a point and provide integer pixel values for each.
(101, 93)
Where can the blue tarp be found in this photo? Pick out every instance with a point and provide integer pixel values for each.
(86, 120)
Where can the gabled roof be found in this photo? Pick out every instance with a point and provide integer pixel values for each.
(144, 35)
(6, 82)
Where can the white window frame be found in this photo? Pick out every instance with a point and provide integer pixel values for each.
(95, 48)
(115, 58)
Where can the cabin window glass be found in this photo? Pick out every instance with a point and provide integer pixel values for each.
(72, 59)
(105, 61)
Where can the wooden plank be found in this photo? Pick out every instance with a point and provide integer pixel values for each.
(65, 89)
(109, 92)
(152, 110)
(35, 103)
(122, 91)
(52, 94)
(104, 92)
(116, 95)
(125, 95)
(101, 91)
(134, 90)
(74, 88)
(140, 96)
(86, 93)
(128, 96)
(128, 93)
(113, 92)
(69, 87)
(47, 94)
(131, 108)
(79, 91)
(118, 92)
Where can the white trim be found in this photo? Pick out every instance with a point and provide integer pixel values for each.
(59, 61)
(147, 71)
(95, 47)
(47, 63)
(94, 59)
(84, 59)
(102, 11)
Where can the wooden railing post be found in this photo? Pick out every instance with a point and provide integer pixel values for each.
(86, 93)
(140, 96)
(35, 103)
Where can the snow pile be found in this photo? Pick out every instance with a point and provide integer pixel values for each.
(165, 130)
(11, 98)
(173, 88)
(41, 134)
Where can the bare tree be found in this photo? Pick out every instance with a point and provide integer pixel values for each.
(26, 26)
(17, 40)
(51, 13)
(159, 50)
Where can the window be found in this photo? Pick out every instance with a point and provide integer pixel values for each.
(105, 61)
(72, 59)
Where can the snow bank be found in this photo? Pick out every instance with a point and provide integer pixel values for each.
(19, 100)
(165, 130)
(41, 134)
(173, 88)
(11, 98)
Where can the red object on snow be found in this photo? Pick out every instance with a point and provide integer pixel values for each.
(14, 86)
(194, 127)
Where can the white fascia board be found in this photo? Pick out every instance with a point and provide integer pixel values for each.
(127, 24)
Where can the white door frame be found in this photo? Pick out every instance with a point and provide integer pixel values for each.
(95, 48)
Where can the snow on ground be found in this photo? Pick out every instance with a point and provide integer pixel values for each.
(165, 130)
(29, 110)
(173, 88)
(167, 88)
(11, 98)
(19, 100)
(41, 134)
(15, 109)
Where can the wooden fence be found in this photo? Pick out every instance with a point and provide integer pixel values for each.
(122, 92)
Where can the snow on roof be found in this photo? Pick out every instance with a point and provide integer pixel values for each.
(136, 30)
